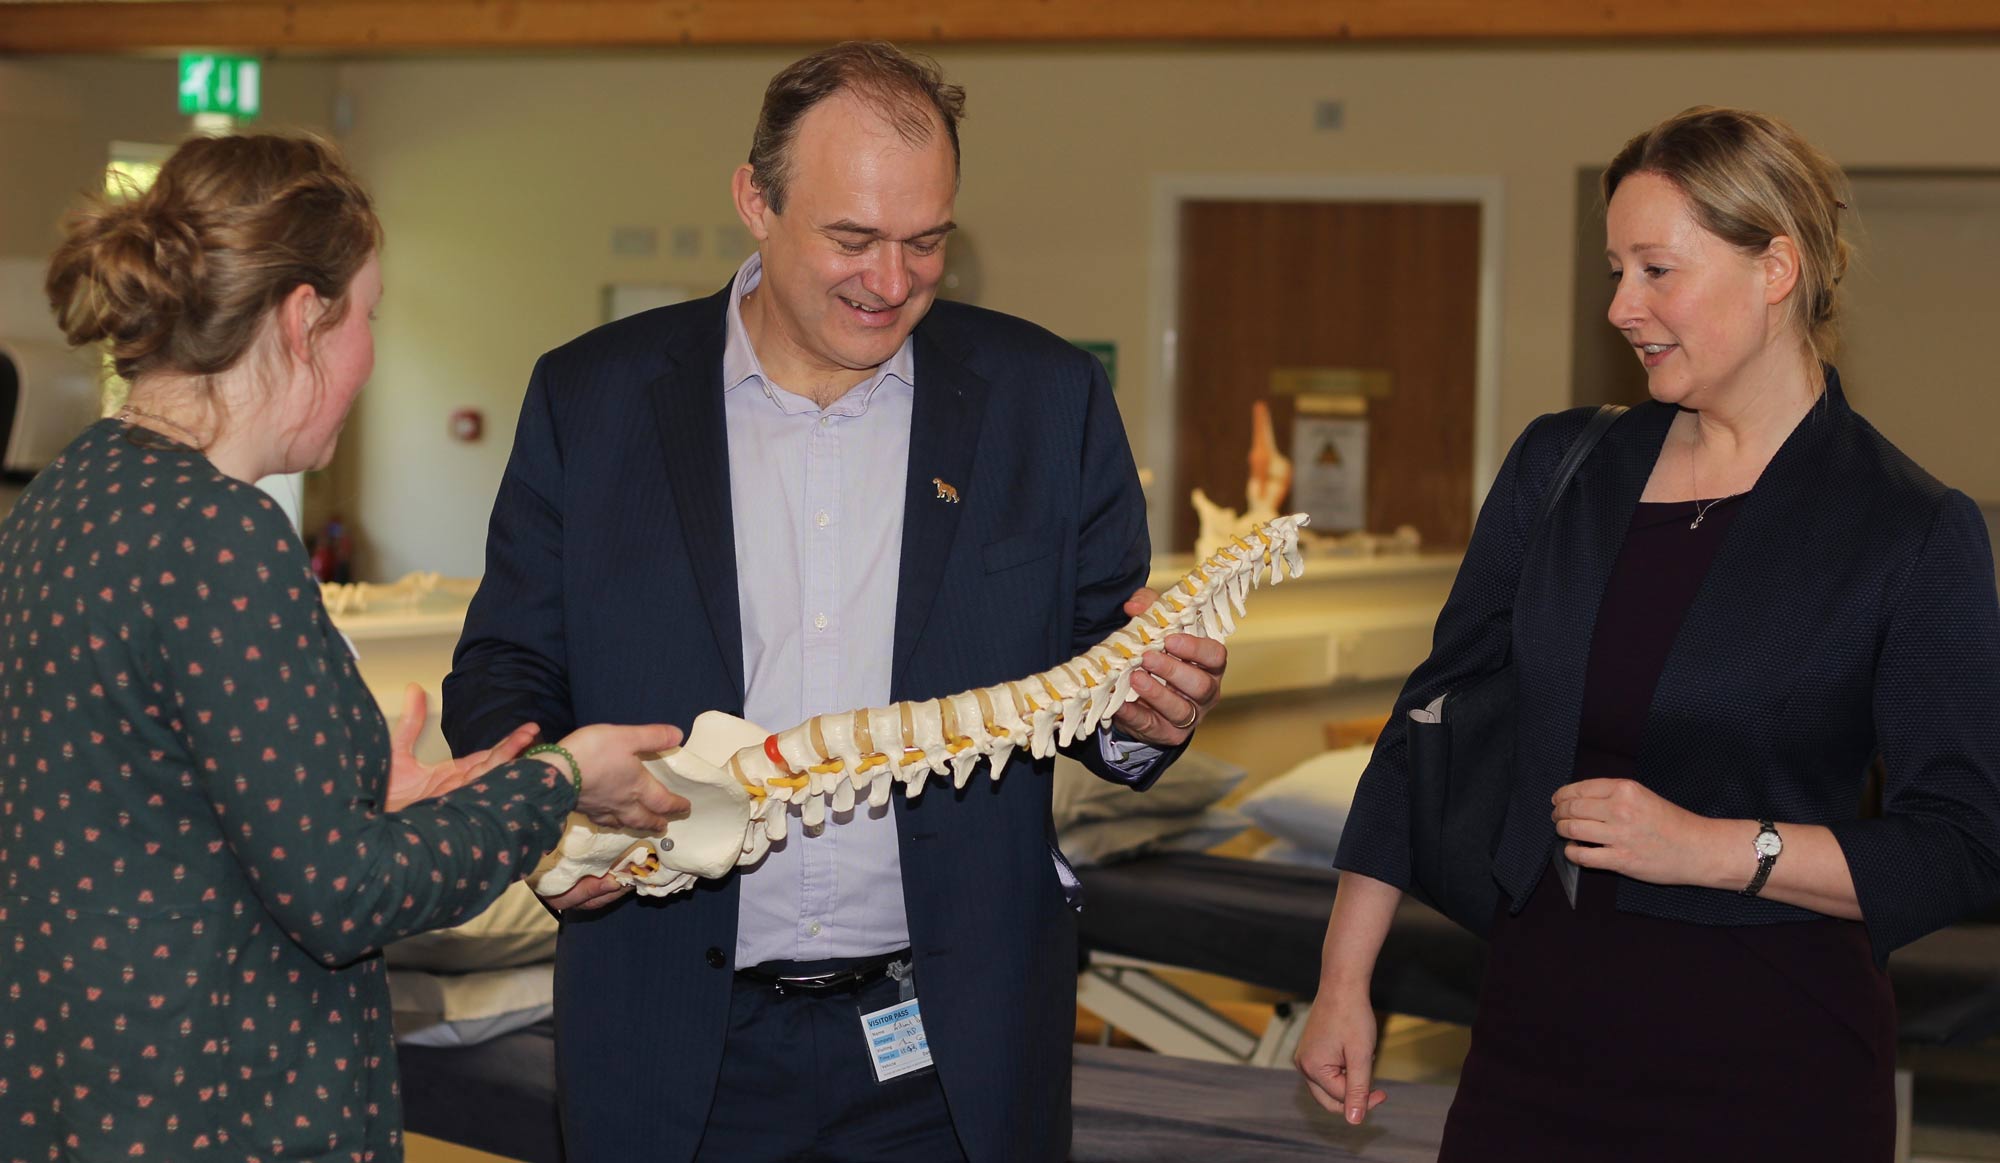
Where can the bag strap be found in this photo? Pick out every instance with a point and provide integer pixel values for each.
(1579, 451)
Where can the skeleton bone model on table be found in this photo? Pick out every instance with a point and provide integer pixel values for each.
(1269, 483)
(741, 781)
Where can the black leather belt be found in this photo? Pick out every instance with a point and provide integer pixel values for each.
(820, 978)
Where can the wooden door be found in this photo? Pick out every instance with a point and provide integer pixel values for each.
(1388, 286)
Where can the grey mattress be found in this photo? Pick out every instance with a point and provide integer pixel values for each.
(1263, 923)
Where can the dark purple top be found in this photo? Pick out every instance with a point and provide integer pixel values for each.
(1659, 570)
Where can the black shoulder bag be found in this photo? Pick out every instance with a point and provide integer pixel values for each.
(1461, 753)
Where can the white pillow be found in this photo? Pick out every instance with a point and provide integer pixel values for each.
(514, 930)
(1193, 783)
(464, 1009)
(1307, 806)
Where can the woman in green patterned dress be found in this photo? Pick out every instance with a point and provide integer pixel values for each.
(206, 831)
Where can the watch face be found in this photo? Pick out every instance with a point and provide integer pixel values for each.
(1768, 844)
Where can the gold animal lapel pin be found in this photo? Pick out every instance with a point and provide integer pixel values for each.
(945, 492)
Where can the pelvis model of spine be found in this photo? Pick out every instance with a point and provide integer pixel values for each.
(742, 781)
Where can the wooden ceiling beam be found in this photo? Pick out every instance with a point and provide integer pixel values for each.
(348, 26)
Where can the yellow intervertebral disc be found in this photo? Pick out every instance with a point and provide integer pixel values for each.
(736, 769)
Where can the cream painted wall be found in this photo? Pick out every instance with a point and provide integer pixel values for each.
(59, 116)
(500, 181)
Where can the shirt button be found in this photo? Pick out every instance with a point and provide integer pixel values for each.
(812, 930)
(819, 622)
(826, 421)
(821, 519)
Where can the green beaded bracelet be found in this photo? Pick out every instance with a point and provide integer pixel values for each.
(575, 772)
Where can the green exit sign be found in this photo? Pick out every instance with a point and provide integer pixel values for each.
(219, 84)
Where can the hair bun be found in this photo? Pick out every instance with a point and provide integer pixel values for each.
(174, 236)
(126, 273)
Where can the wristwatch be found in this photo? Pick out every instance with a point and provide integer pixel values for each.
(1768, 844)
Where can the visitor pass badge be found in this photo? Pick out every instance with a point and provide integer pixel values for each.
(896, 1041)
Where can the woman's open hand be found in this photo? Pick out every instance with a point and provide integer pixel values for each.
(411, 781)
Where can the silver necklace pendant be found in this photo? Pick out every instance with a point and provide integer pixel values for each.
(1694, 486)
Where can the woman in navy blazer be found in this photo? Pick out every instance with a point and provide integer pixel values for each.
(1745, 596)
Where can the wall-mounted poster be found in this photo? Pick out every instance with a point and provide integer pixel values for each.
(1330, 467)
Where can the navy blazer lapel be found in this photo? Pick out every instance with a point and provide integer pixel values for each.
(1563, 585)
(948, 405)
(694, 439)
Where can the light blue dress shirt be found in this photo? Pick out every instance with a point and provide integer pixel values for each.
(817, 499)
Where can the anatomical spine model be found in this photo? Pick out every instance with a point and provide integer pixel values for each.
(741, 780)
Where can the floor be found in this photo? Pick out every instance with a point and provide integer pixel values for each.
(420, 1149)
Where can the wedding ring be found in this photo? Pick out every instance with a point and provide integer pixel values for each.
(1193, 714)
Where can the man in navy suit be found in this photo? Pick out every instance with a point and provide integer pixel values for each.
(815, 491)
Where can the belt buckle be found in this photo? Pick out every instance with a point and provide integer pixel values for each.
(896, 965)
(818, 983)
